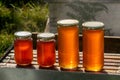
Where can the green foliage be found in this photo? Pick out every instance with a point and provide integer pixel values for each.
(5, 16)
(20, 3)
(30, 17)
(5, 41)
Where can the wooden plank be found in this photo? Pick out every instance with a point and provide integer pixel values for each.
(111, 63)
(111, 44)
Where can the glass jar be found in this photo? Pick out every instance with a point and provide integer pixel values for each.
(23, 48)
(93, 45)
(46, 49)
(68, 44)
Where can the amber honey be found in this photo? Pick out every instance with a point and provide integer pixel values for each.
(93, 46)
(68, 44)
(23, 48)
(46, 50)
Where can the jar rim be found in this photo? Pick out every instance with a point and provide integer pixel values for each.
(22, 34)
(68, 22)
(46, 35)
(93, 24)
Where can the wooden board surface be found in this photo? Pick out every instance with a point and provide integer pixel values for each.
(111, 63)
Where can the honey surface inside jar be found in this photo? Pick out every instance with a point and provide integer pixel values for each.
(68, 47)
(93, 49)
(46, 53)
(23, 51)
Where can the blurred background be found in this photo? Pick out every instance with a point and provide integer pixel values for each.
(107, 11)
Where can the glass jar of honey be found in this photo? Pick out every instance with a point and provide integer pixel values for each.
(93, 45)
(23, 48)
(68, 44)
(46, 49)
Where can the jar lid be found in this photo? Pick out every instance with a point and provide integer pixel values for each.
(46, 35)
(68, 22)
(93, 25)
(22, 34)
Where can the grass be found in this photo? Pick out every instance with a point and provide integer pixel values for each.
(5, 41)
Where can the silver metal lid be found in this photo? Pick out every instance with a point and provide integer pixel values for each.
(68, 22)
(46, 35)
(93, 25)
(22, 34)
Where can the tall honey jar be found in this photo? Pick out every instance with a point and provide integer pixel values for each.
(93, 45)
(68, 44)
(23, 48)
(46, 50)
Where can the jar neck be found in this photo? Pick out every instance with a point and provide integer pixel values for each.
(46, 40)
(25, 38)
(68, 26)
(93, 28)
